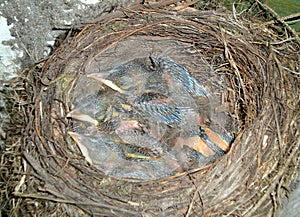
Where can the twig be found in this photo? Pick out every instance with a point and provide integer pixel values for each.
(274, 182)
(36, 196)
(165, 3)
(231, 61)
(291, 71)
(193, 200)
(290, 18)
(181, 7)
(277, 126)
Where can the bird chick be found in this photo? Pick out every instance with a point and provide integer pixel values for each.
(176, 75)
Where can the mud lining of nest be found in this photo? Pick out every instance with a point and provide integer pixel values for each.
(43, 171)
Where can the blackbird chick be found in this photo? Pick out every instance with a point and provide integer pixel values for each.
(158, 107)
(110, 158)
(176, 75)
(132, 78)
(148, 119)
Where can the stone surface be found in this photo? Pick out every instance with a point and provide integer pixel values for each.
(34, 25)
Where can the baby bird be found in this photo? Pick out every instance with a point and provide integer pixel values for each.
(177, 76)
(148, 118)
(130, 78)
(110, 158)
(158, 107)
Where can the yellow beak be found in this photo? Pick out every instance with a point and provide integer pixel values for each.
(108, 83)
(75, 114)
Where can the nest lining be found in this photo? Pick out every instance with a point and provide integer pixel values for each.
(250, 180)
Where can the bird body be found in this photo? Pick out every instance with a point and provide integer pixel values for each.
(177, 75)
(149, 113)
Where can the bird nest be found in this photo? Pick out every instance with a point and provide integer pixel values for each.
(243, 74)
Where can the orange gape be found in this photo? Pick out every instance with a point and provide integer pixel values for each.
(216, 139)
(195, 143)
(129, 125)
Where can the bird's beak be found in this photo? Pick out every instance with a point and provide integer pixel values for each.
(217, 139)
(108, 83)
(75, 114)
(197, 144)
(138, 156)
(125, 126)
(79, 140)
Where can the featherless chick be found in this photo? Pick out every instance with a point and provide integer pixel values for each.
(152, 117)
(176, 75)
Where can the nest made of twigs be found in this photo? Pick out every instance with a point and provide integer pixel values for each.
(44, 172)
